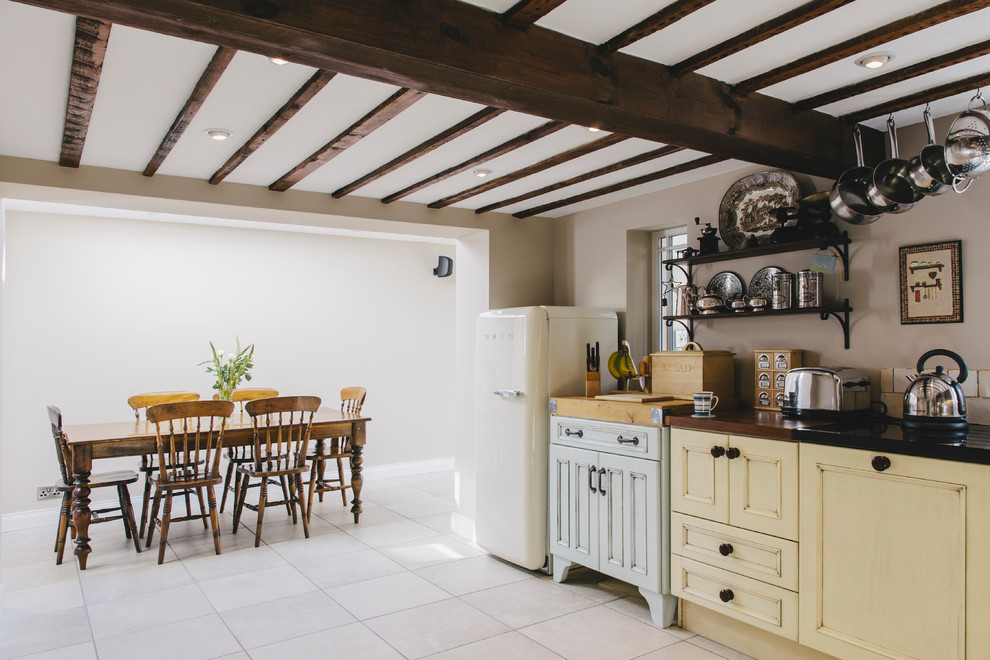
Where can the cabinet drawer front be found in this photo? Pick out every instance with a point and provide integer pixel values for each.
(763, 486)
(751, 554)
(757, 603)
(623, 439)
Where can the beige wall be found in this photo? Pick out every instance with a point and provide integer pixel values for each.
(607, 245)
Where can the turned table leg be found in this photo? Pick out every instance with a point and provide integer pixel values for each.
(357, 460)
(82, 467)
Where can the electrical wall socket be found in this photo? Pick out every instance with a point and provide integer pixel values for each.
(47, 492)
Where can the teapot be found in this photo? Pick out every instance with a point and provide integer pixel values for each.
(935, 401)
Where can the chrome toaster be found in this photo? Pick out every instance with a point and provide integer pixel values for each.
(826, 392)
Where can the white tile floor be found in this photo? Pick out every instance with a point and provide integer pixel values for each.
(399, 585)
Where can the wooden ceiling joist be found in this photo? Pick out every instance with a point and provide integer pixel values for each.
(580, 178)
(669, 15)
(545, 164)
(205, 84)
(761, 32)
(908, 72)
(87, 63)
(510, 145)
(527, 12)
(388, 109)
(302, 96)
(884, 34)
(969, 84)
(463, 51)
(423, 148)
(622, 185)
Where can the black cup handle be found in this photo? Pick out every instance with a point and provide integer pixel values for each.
(963, 371)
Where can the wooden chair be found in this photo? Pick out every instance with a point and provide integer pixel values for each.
(189, 438)
(148, 467)
(119, 479)
(281, 437)
(351, 401)
(238, 456)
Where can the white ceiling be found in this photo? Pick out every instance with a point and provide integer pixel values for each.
(147, 78)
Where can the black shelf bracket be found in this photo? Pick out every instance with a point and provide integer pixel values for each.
(670, 265)
(841, 245)
(689, 326)
(842, 316)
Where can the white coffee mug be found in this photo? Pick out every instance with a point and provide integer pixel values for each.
(704, 403)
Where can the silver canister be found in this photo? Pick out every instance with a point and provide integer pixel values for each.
(809, 289)
(783, 286)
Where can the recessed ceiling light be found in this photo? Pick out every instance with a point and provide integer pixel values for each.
(218, 133)
(593, 129)
(481, 173)
(875, 60)
(278, 60)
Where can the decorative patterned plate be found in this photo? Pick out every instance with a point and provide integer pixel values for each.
(748, 207)
(726, 285)
(761, 286)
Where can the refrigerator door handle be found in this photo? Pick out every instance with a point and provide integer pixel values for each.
(591, 473)
(508, 393)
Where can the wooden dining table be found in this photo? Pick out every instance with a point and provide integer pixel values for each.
(137, 438)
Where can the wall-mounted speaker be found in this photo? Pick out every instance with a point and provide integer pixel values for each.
(444, 268)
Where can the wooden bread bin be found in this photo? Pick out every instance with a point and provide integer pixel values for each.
(682, 373)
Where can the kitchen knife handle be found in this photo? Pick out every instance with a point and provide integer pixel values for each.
(591, 472)
(601, 483)
(577, 434)
(511, 394)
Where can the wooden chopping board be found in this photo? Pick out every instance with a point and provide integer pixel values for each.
(635, 397)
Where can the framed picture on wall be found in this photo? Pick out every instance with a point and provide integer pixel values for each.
(931, 283)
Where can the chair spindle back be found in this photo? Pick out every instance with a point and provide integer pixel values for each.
(351, 399)
(148, 399)
(187, 433)
(61, 444)
(281, 430)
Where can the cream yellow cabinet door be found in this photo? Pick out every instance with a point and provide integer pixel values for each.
(893, 555)
(629, 521)
(699, 484)
(574, 505)
(763, 485)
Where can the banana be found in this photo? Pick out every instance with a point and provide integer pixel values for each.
(613, 367)
(620, 363)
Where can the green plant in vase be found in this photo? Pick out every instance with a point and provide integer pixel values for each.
(230, 368)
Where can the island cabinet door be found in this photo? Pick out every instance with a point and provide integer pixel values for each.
(893, 555)
(763, 485)
(699, 474)
(629, 522)
(573, 505)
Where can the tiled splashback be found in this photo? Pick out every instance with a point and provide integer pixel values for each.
(893, 383)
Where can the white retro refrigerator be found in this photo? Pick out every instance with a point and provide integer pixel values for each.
(525, 355)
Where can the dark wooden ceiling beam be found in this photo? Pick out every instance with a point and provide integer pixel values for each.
(456, 49)
(527, 12)
(918, 98)
(545, 164)
(669, 15)
(761, 32)
(509, 145)
(622, 185)
(908, 72)
(423, 148)
(205, 84)
(881, 35)
(87, 64)
(581, 178)
(387, 110)
(302, 96)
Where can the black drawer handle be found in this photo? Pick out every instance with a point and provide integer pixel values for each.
(601, 481)
(577, 434)
(628, 441)
(726, 595)
(732, 452)
(718, 452)
(591, 474)
(725, 549)
(880, 463)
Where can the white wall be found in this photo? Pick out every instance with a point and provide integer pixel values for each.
(101, 308)
(603, 244)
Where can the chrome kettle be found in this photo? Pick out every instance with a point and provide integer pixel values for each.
(934, 402)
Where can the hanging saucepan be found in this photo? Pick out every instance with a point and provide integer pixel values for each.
(967, 146)
(928, 171)
(891, 190)
(847, 198)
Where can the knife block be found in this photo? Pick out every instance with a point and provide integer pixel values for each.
(592, 384)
